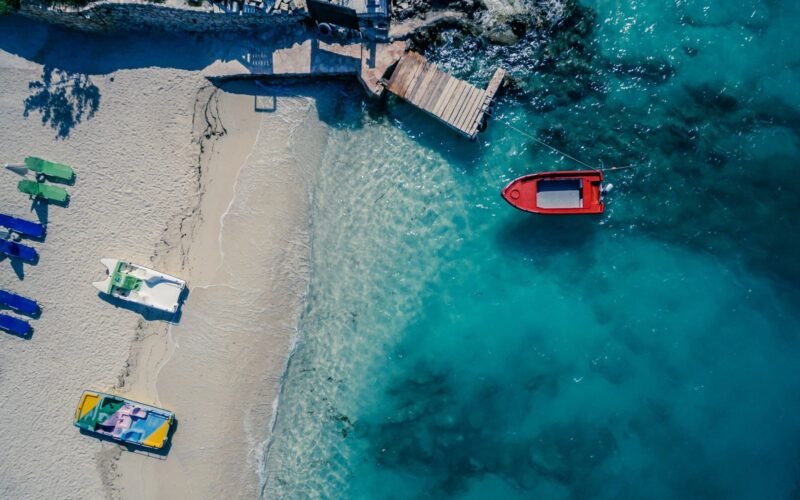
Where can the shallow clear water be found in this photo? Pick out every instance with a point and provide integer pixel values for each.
(453, 346)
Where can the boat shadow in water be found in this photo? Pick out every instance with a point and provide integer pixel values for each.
(148, 313)
(536, 235)
(160, 454)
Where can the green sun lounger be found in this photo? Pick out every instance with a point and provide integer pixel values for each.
(50, 169)
(41, 190)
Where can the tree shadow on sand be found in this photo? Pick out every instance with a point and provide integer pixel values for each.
(63, 98)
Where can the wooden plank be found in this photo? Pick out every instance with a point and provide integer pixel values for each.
(452, 100)
(474, 109)
(472, 119)
(494, 83)
(466, 99)
(438, 86)
(407, 77)
(424, 92)
(409, 64)
(424, 81)
(471, 109)
(400, 73)
(444, 96)
(415, 81)
(489, 93)
(396, 73)
(459, 104)
(423, 65)
(412, 79)
(465, 107)
(455, 87)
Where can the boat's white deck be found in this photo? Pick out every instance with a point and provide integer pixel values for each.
(158, 290)
(559, 194)
(159, 293)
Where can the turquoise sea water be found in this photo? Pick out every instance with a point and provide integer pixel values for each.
(454, 347)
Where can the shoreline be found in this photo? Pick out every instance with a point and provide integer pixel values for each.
(169, 365)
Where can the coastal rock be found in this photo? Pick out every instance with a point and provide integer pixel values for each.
(502, 35)
(428, 35)
(501, 26)
(110, 15)
(408, 9)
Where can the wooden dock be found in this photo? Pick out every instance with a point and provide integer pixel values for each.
(455, 102)
(458, 104)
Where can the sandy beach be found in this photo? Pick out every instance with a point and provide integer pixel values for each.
(182, 176)
(247, 262)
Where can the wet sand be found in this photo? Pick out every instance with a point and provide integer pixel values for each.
(221, 366)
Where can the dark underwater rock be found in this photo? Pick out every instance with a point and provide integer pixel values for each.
(566, 453)
(502, 35)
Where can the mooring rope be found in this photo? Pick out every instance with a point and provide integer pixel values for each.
(610, 169)
(551, 147)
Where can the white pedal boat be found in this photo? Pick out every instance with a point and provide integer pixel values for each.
(141, 285)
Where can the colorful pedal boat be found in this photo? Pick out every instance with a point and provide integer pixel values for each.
(50, 169)
(41, 190)
(18, 251)
(22, 226)
(15, 325)
(18, 303)
(141, 285)
(124, 420)
(563, 193)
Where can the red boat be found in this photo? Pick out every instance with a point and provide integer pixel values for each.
(572, 192)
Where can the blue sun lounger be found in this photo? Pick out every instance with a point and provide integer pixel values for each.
(14, 325)
(21, 226)
(17, 251)
(19, 304)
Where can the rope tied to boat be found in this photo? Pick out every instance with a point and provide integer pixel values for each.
(562, 153)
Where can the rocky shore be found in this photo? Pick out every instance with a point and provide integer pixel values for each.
(142, 15)
(499, 22)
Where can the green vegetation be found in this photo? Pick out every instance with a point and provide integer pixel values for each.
(8, 6)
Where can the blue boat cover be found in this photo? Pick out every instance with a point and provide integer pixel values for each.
(14, 325)
(24, 227)
(19, 304)
(17, 251)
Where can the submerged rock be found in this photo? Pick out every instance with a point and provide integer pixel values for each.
(502, 35)
(503, 24)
